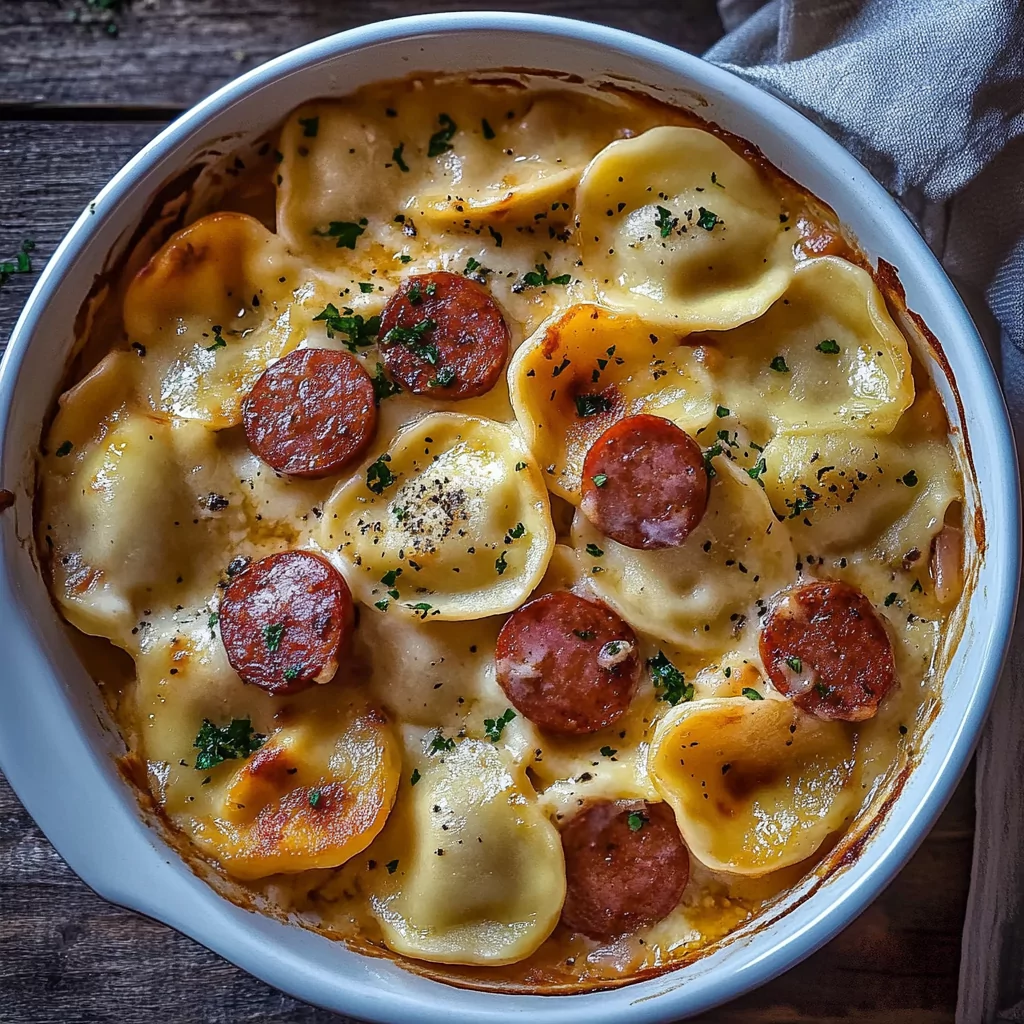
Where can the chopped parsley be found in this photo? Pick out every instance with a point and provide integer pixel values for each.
(520, 466)
(22, 263)
(496, 235)
(310, 126)
(314, 798)
(756, 470)
(359, 332)
(917, 588)
(592, 405)
(751, 694)
(517, 531)
(670, 683)
(396, 155)
(829, 346)
(383, 385)
(218, 339)
(500, 565)
(216, 744)
(636, 820)
(665, 222)
(709, 454)
(910, 478)
(213, 620)
(344, 231)
(412, 338)
(272, 636)
(392, 866)
(890, 599)
(382, 604)
(493, 727)
(441, 744)
(608, 751)
(721, 412)
(64, 449)
(600, 479)
(585, 634)
(487, 130)
(415, 777)
(707, 220)
(441, 141)
(378, 476)
(366, 287)
(795, 663)
(538, 278)
(444, 378)
(292, 672)
(422, 608)
(594, 551)
(778, 364)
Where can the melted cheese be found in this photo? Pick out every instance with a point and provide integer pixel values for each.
(829, 464)
(588, 354)
(703, 593)
(478, 875)
(677, 227)
(756, 785)
(453, 519)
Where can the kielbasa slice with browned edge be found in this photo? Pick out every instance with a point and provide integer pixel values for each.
(285, 620)
(625, 867)
(567, 664)
(443, 335)
(824, 646)
(644, 483)
(312, 413)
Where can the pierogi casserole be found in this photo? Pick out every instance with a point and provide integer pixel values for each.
(513, 527)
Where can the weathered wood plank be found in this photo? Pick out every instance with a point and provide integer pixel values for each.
(170, 53)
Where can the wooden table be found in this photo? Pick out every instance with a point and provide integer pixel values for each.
(82, 87)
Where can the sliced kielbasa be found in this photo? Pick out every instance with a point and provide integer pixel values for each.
(312, 413)
(567, 664)
(625, 867)
(644, 483)
(824, 646)
(285, 620)
(443, 335)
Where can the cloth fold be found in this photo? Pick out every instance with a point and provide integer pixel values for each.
(929, 96)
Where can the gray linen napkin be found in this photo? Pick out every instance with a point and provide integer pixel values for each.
(929, 96)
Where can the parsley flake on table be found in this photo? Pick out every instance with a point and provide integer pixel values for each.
(829, 346)
(378, 476)
(225, 743)
(707, 220)
(592, 405)
(493, 727)
(272, 635)
(669, 682)
(636, 820)
(440, 141)
(21, 264)
(345, 232)
(396, 156)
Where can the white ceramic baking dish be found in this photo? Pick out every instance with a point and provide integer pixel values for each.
(56, 744)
